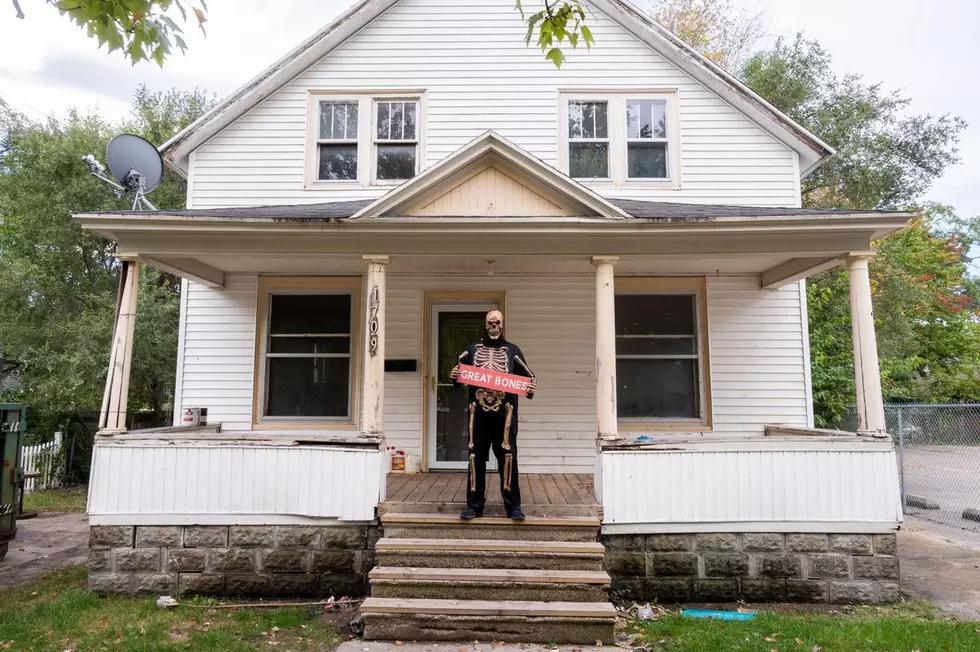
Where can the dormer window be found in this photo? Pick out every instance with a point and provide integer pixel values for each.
(337, 140)
(364, 140)
(620, 138)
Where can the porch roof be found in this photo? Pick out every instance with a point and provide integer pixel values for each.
(653, 211)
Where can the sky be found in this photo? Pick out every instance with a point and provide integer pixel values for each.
(926, 48)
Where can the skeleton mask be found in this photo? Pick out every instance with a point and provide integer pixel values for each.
(495, 324)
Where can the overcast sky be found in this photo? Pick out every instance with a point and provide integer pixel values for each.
(927, 48)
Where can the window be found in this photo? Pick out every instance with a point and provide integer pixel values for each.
(588, 139)
(621, 138)
(659, 355)
(646, 139)
(337, 140)
(307, 351)
(375, 139)
(396, 140)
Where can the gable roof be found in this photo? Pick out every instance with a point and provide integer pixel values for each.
(811, 150)
(492, 150)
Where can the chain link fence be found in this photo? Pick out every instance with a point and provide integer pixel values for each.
(938, 448)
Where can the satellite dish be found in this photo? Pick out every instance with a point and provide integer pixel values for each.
(135, 163)
(129, 158)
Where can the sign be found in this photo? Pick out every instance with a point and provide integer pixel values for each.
(488, 379)
(373, 323)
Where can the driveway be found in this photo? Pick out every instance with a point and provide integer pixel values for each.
(44, 544)
(941, 564)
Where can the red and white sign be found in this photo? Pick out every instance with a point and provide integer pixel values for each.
(487, 379)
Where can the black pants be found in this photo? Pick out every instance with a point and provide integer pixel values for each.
(488, 433)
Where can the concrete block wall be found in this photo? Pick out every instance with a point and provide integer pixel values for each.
(260, 561)
(754, 567)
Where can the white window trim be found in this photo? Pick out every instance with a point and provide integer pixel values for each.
(366, 150)
(375, 141)
(272, 285)
(693, 286)
(616, 112)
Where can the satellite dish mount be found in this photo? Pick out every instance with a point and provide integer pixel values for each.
(136, 165)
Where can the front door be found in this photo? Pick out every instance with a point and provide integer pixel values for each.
(453, 328)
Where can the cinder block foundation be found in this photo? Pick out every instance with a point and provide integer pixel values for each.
(254, 561)
(754, 567)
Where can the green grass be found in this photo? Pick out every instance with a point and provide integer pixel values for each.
(59, 613)
(905, 627)
(56, 500)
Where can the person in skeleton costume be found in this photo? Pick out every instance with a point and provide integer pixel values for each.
(493, 419)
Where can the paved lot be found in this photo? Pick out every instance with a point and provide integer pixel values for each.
(941, 564)
(44, 544)
(948, 475)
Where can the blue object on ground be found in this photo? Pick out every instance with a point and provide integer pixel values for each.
(718, 615)
(644, 438)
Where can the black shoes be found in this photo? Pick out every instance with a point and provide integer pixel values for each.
(513, 513)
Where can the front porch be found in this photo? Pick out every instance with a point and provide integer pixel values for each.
(544, 494)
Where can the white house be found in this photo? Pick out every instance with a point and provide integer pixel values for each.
(355, 209)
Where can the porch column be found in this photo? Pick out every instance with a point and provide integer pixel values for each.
(867, 377)
(373, 384)
(605, 347)
(112, 417)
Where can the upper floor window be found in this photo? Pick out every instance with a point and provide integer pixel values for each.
(621, 138)
(364, 139)
(337, 140)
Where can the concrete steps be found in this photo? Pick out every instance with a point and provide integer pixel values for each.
(486, 620)
(489, 553)
(489, 584)
(439, 578)
(450, 526)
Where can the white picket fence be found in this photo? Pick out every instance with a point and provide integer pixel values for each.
(42, 459)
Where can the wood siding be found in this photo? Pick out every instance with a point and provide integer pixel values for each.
(481, 76)
(766, 487)
(490, 192)
(177, 482)
(756, 358)
(219, 351)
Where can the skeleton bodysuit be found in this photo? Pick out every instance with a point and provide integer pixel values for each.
(493, 422)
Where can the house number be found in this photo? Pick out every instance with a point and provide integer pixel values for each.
(373, 324)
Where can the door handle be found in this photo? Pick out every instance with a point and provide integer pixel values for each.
(433, 383)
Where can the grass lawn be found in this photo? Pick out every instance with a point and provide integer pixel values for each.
(56, 500)
(906, 627)
(58, 613)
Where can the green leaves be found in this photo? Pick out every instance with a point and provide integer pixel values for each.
(57, 282)
(141, 29)
(556, 24)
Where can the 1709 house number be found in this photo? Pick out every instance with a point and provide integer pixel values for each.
(373, 322)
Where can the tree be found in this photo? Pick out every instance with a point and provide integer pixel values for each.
(58, 283)
(885, 157)
(715, 28)
(924, 299)
(142, 29)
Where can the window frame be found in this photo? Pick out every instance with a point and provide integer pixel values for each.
(317, 140)
(375, 141)
(366, 150)
(271, 285)
(617, 101)
(608, 140)
(690, 286)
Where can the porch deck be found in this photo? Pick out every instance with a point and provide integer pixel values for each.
(543, 494)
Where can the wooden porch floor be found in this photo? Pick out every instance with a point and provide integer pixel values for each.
(543, 494)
